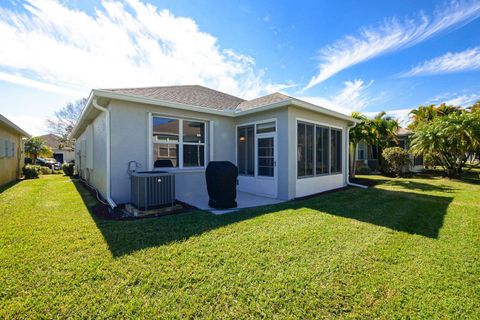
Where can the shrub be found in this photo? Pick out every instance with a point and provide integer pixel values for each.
(31, 171)
(395, 160)
(45, 170)
(68, 169)
(362, 170)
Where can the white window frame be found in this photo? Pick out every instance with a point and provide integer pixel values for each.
(255, 134)
(362, 146)
(180, 142)
(3, 148)
(315, 125)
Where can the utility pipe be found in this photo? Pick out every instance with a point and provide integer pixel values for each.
(107, 128)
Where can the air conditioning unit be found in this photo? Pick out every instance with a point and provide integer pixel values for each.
(152, 189)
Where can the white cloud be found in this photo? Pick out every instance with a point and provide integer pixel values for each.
(448, 63)
(124, 43)
(389, 36)
(39, 85)
(34, 125)
(456, 99)
(352, 98)
(465, 100)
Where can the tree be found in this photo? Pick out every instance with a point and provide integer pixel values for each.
(425, 114)
(449, 138)
(65, 119)
(361, 132)
(422, 114)
(385, 131)
(396, 159)
(35, 147)
(475, 107)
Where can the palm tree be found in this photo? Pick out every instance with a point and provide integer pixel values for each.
(361, 132)
(35, 147)
(422, 114)
(385, 130)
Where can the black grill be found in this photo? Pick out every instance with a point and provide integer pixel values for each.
(221, 179)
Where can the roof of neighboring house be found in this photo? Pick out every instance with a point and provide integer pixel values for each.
(191, 95)
(54, 141)
(403, 132)
(13, 126)
(196, 98)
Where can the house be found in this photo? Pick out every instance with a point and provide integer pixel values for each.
(61, 152)
(284, 147)
(367, 155)
(11, 150)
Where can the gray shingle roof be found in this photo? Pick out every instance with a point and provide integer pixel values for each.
(191, 95)
(262, 101)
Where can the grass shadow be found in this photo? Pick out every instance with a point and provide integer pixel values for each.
(414, 213)
(9, 185)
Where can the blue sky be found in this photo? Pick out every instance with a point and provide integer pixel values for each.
(365, 56)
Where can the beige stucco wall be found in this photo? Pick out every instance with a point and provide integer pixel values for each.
(130, 141)
(10, 168)
(300, 187)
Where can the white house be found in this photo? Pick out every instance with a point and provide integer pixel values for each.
(61, 153)
(284, 147)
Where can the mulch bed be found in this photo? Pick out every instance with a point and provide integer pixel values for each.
(104, 212)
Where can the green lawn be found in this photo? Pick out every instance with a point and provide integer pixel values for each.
(408, 248)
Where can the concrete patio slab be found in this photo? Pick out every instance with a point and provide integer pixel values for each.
(244, 200)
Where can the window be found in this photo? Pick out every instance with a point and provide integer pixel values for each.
(3, 148)
(418, 161)
(246, 150)
(305, 149)
(193, 143)
(266, 127)
(322, 150)
(178, 143)
(319, 150)
(266, 157)
(361, 151)
(336, 152)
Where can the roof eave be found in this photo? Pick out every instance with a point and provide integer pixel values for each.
(226, 113)
(74, 133)
(301, 104)
(14, 126)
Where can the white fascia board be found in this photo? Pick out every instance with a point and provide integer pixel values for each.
(74, 134)
(314, 107)
(300, 104)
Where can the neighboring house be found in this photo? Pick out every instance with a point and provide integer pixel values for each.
(367, 155)
(11, 150)
(284, 148)
(416, 163)
(61, 153)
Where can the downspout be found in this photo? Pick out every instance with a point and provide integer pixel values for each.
(107, 128)
(348, 160)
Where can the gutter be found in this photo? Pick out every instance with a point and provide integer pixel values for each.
(348, 160)
(107, 128)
